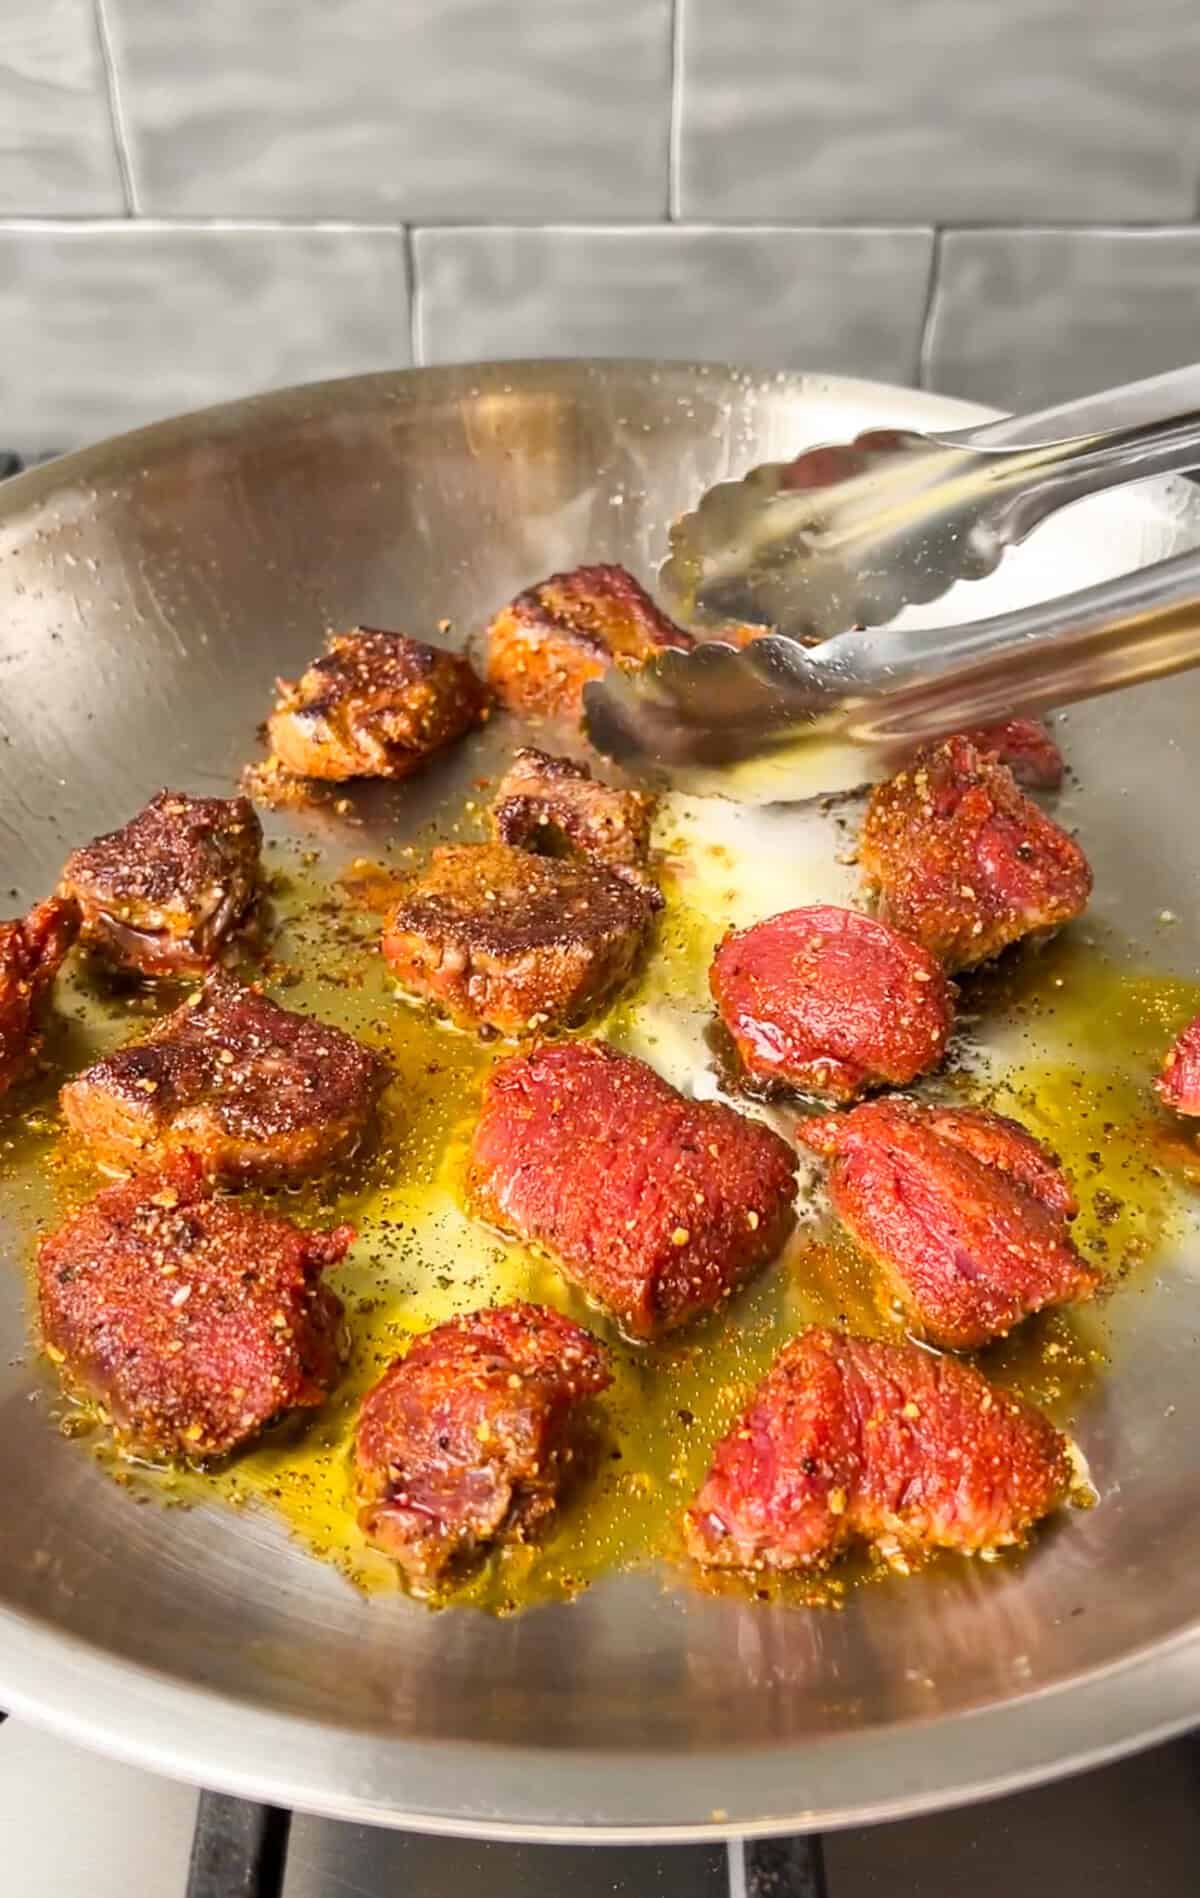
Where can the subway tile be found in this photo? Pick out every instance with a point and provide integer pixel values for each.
(1026, 318)
(994, 110)
(810, 299)
(106, 326)
(365, 108)
(58, 155)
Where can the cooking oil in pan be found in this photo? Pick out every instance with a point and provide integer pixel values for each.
(1027, 1049)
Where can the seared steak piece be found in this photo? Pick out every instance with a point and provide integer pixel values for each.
(193, 1321)
(376, 705)
(32, 951)
(545, 646)
(499, 938)
(965, 1211)
(831, 1002)
(848, 1440)
(658, 1206)
(558, 809)
(163, 894)
(468, 1438)
(1026, 747)
(1179, 1083)
(964, 862)
(252, 1090)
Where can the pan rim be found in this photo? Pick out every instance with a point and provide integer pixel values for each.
(164, 1723)
(133, 1713)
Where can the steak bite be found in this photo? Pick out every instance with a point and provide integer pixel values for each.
(193, 1321)
(658, 1206)
(966, 1212)
(31, 955)
(1179, 1083)
(33, 949)
(831, 1002)
(1026, 747)
(547, 643)
(501, 939)
(375, 705)
(468, 1438)
(163, 894)
(558, 809)
(252, 1090)
(963, 861)
(849, 1440)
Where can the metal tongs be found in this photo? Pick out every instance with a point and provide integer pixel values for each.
(897, 519)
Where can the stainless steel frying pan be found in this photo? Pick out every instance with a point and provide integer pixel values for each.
(150, 589)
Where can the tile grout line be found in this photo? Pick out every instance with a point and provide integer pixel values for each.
(41, 225)
(675, 111)
(925, 342)
(34, 221)
(416, 341)
(116, 110)
(735, 1853)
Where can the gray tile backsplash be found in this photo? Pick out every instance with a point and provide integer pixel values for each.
(105, 326)
(936, 109)
(999, 197)
(832, 300)
(1025, 318)
(58, 156)
(392, 109)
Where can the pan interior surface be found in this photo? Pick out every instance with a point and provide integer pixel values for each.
(150, 591)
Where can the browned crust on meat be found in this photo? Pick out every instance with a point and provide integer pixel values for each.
(164, 892)
(468, 1437)
(556, 808)
(375, 705)
(547, 643)
(253, 1090)
(500, 938)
